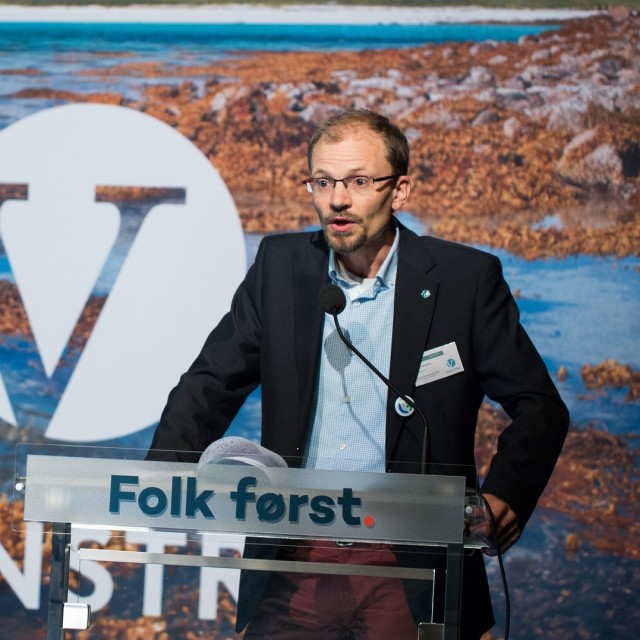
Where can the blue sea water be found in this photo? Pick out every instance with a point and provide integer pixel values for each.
(5, 271)
(583, 310)
(156, 38)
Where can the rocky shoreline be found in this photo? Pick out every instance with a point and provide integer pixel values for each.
(503, 134)
(548, 125)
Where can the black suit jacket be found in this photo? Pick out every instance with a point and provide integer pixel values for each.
(272, 336)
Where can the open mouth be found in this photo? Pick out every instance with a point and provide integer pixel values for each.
(340, 224)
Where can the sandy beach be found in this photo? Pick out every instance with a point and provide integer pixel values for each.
(302, 14)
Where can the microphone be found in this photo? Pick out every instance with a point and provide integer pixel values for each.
(333, 301)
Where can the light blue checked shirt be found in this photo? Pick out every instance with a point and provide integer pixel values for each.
(348, 431)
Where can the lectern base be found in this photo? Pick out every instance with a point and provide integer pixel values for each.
(430, 631)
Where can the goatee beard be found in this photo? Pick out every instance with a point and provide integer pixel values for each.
(344, 243)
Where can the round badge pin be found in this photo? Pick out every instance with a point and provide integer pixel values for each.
(402, 408)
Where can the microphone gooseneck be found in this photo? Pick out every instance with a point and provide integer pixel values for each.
(333, 301)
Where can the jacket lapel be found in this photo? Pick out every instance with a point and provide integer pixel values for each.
(415, 298)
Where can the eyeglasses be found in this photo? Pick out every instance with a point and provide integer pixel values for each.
(355, 184)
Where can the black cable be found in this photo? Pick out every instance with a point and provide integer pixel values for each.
(503, 575)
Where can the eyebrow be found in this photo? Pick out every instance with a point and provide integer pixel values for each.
(353, 172)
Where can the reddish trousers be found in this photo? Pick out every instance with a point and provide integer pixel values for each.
(301, 606)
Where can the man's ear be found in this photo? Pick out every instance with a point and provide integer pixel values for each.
(401, 193)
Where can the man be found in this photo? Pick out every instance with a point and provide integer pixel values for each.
(322, 408)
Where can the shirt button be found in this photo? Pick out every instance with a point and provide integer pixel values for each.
(346, 399)
(343, 446)
(356, 303)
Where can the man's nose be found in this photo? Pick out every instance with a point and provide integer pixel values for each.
(340, 195)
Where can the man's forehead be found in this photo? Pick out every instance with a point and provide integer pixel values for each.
(358, 148)
(352, 134)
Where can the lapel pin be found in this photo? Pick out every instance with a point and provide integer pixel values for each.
(425, 293)
(403, 408)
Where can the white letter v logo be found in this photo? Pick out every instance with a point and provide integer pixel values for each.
(34, 396)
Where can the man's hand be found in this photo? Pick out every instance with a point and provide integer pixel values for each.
(508, 528)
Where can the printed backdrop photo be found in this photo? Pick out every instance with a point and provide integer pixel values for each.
(143, 155)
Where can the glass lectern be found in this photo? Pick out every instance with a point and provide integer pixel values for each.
(115, 489)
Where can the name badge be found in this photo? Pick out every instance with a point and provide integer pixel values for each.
(439, 363)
